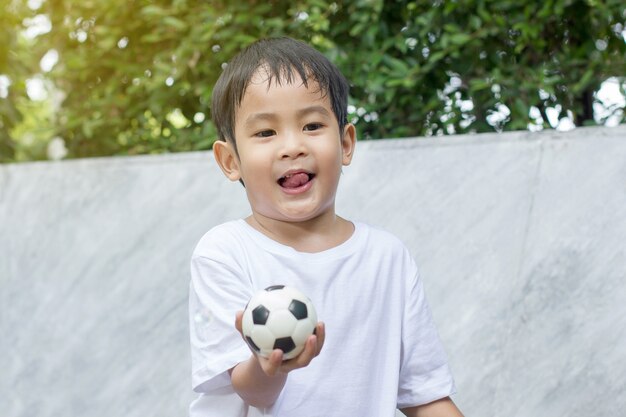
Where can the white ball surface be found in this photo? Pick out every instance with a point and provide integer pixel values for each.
(278, 317)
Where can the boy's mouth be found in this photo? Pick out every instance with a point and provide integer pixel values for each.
(295, 179)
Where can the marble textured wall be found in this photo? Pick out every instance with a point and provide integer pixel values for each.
(521, 239)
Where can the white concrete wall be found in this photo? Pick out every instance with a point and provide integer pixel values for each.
(521, 240)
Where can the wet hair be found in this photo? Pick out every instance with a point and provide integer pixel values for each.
(284, 59)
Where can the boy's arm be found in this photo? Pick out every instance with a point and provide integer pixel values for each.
(440, 408)
(253, 385)
(259, 381)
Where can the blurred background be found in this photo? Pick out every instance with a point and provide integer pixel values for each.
(124, 77)
(518, 233)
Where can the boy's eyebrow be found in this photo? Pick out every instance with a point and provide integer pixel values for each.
(272, 116)
(313, 109)
(259, 117)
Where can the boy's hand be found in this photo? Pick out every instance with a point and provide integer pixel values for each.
(274, 364)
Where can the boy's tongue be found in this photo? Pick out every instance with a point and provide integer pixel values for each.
(295, 180)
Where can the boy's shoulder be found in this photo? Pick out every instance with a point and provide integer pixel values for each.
(381, 237)
(220, 237)
(379, 233)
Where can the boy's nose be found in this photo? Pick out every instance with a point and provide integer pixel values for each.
(293, 146)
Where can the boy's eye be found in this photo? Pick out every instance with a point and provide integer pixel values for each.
(265, 133)
(313, 126)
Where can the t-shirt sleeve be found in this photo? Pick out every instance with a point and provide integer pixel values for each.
(424, 372)
(218, 289)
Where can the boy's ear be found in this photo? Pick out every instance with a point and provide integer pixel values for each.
(348, 143)
(227, 159)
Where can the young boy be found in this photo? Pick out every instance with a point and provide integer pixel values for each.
(280, 109)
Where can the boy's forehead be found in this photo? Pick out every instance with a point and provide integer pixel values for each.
(264, 76)
(260, 86)
(263, 80)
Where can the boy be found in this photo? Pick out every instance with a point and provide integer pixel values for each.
(280, 109)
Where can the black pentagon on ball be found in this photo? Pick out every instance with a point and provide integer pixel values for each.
(252, 344)
(285, 344)
(275, 287)
(260, 315)
(298, 309)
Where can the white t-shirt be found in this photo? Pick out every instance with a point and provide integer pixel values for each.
(381, 351)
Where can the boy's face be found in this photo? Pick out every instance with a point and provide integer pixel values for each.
(290, 151)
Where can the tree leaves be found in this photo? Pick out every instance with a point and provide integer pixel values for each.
(132, 71)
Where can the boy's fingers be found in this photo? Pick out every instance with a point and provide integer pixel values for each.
(312, 348)
(321, 336)
(273, 363)
(238, 320)
(310, 351)
(304, 358)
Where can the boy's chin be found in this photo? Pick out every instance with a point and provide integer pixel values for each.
(294, 217)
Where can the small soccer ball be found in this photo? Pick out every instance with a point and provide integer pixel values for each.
(278, 317)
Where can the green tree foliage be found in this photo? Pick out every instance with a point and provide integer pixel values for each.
(136, 76)
(12, 70)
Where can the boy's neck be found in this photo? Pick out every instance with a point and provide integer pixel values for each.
(315, 235)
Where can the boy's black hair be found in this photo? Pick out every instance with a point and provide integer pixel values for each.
(283, 58)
